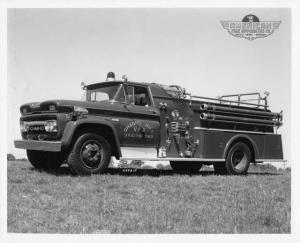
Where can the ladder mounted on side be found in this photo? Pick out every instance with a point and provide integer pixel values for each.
(251, 99)
(254, 100)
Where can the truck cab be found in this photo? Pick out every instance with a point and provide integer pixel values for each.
(149, 121)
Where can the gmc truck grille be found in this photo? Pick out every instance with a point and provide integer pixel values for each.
(36, 127)
(36, 131)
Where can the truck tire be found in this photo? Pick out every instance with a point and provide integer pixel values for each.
(238, 159)
(45, 160)
(90, 155)
(220, 168)
(186, 166)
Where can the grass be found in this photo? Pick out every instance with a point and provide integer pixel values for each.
(146, 201)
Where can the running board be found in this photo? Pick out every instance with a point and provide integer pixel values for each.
(196, 159)
(175, 159)
(270, 160)
(150, 154)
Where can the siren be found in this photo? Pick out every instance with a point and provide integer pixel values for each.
(110, 76)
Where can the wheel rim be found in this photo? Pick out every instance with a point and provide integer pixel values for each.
(239, 160)
(91, 154)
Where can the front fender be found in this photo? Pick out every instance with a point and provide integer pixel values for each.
(72, 126)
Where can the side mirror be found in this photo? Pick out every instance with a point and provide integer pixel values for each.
(130, 100)
(128, 103)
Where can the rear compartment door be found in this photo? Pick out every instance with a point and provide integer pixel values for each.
(273, 147)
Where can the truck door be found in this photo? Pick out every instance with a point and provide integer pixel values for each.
(141, 126)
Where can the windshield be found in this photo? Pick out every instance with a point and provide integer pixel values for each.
(111, 92)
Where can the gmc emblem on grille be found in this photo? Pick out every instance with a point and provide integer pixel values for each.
(36, 128)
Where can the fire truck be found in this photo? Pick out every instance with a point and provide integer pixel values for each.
(149, 121)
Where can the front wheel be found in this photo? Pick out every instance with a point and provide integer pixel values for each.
(185, 166)
(45, 160)
(90, 155)
(238, 159)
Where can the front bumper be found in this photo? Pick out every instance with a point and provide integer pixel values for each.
(53, 146)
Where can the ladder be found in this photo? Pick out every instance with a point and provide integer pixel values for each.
(244, 99)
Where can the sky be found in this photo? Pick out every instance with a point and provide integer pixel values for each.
(51, 51)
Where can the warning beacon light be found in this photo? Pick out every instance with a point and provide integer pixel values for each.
(110, 76)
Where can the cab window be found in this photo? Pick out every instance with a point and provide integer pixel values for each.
(120, 96)
(138, 95)
(107, 92)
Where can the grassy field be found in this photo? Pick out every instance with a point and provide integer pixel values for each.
(147, 201)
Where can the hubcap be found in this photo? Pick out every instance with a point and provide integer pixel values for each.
(239, 159)
(91, 154)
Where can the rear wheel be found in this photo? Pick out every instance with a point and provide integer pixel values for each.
(90, 155)
(186, 166)
(45, 160)
(238, 159)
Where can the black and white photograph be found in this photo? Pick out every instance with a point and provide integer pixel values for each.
(149, 120)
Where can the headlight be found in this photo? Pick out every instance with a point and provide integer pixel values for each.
(51, 126)
(23, 126)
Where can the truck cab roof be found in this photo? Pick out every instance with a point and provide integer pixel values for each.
(156, 88)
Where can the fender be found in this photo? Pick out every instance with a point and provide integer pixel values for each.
(72, 126)
(234, 138)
